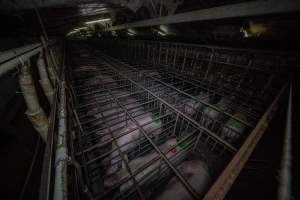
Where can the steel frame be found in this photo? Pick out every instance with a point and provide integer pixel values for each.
(216, 69)
(100, 108)
(252, 8)
(228, 176)
(92, 153)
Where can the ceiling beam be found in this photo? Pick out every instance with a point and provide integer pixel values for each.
(252, 8)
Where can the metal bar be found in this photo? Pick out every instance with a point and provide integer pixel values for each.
(14, 62)
(50, 66)
(178, 174)
(41, 23)
(228, 176)
(17, 6)
(61, 154)
(83, 156)
(137, 187)
(192, 97)
(10, 54)
(284, 191)
(116, 137)
(229, 146)
(44, 192)
(252, 8)
(121, 153)
(141, 129)
(150, 162)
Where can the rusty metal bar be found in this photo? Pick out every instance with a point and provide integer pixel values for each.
(228, 176)
(12, 63)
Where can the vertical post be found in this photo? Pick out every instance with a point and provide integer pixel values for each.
(61, 156)
(184, 60)
(209, 64)
(284, 191)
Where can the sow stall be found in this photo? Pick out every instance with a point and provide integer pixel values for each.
(139, 125)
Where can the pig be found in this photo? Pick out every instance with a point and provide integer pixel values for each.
(192, 105)
(118, 125)
(210, 114)
(197, 175)
(148, 172)
(128, 141)
(233, 129)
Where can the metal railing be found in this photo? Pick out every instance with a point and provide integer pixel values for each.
(110, 98)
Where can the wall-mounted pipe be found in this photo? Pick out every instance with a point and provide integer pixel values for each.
(44, 80)
(61, 154)
(7, 55)
(34, 111)
(11, 58)
(11, 64)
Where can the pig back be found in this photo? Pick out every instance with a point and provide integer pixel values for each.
(197, 175)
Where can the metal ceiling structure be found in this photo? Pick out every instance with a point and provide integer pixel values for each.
(252, 8)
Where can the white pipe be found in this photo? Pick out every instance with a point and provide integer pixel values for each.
(34, 111)
(11, 58)
(9, 54)
(44, 80)
(11, 64)
(61, 156)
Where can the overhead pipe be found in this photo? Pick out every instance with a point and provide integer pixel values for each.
(12, 58)
(61, 154)
(44, 80)
(244, 9)
(34, 111)
(14, 62)
(9, 54)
